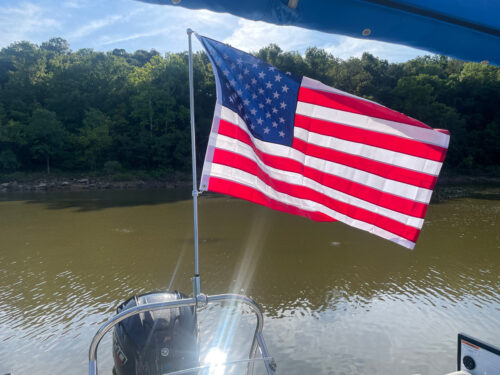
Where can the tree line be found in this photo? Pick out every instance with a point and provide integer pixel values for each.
(86, 110)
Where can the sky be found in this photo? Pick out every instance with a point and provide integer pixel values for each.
(133, 25)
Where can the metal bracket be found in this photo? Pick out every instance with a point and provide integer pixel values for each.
(201, 300)
(196, 286)
(292, 4)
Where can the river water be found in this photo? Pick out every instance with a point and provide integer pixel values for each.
(336, 300)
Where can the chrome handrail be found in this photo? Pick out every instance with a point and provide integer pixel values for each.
(200, 300)
(224, 364)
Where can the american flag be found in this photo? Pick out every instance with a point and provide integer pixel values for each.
(296, 145)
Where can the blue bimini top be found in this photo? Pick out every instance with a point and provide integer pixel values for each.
(463, 29)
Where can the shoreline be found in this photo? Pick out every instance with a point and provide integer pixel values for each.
(85, 183)
(452, 180)
(42, 185)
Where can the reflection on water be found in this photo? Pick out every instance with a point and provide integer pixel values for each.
(337, 300)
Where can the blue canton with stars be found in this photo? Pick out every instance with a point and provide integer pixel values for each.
(264, 97)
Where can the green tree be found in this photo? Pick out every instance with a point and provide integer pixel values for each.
(58, 46)
(133, 107)
(8, 161)
(12, 142)
(46, 136)
(94, 137)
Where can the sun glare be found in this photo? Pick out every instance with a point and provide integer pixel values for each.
(215, 358)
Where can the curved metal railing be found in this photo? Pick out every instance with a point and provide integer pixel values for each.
(225, 364)
(200, 300)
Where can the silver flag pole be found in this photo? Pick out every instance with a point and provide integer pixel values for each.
(196, 278)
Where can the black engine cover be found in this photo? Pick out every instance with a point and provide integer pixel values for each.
(158, 342)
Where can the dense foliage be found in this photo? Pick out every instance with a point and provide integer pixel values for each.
(88, 110)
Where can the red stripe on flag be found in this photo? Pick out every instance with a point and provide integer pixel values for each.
(371, 138)
(383, 199)
(240, 162)
(223, 186)
(355, 105)
(234, 131)
(389, 171)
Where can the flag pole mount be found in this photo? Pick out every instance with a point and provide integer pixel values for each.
(196, 278)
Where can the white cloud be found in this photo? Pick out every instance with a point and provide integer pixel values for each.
(109, 41)
(253, 35)
(178, 20)
(136, 25)
(95, 25)
(75, 4)
(24, 21)
(352, 47)
(164, 28)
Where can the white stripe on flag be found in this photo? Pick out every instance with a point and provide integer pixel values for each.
(397, 188)
(247, 179)
(235, 146)
(370, 152)
(317, 85)
(424, 135)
